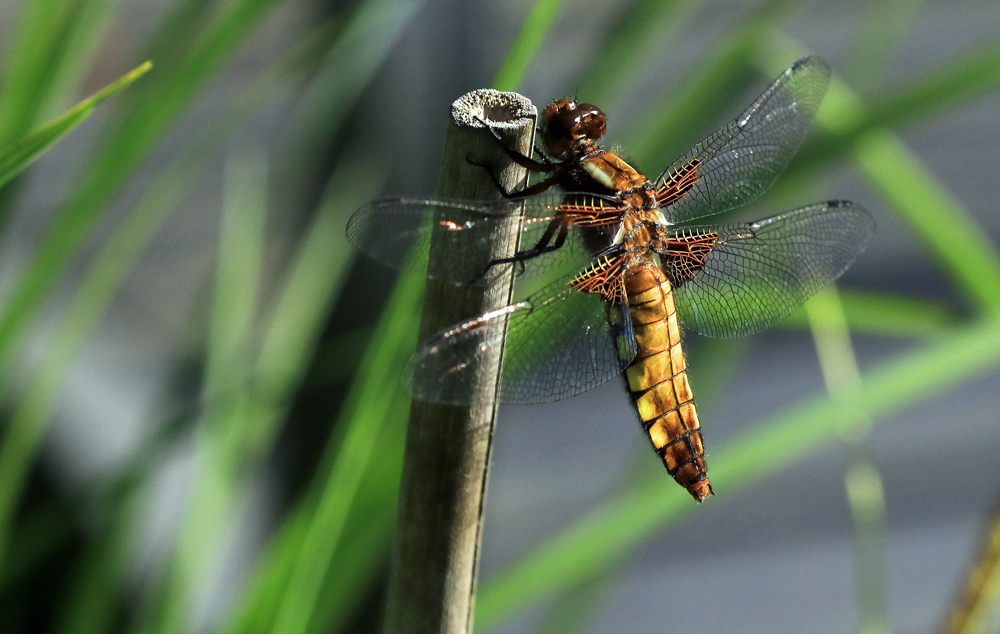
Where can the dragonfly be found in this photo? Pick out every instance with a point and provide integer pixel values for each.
(640, 273)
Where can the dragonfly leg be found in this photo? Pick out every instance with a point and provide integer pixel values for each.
(560, 224)
(528, 163)
(545, 166)
(537, 188)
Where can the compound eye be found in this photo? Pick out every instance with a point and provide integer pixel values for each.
(559, 131)
(592, 123)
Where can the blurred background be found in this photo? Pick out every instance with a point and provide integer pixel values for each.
(202, 423)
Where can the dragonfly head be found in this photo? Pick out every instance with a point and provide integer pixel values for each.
(565, 123)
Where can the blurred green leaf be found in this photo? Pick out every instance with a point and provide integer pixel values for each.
(364, 41)
(136, 132)
(227, 372)
(575, 609)
(970, 76)
(525, 47)
(878, 39)
(182, 27)
(289, 342)
(100, 570)
(37, 405)
(16, 157)
(28, 66)
(248, 421)
(862, 479)
(54, 43)
(934, 214)
(24, 432)
(678, 120)
(370, 527)
(366, 406)
(363, 549)
(600, 540)
(644, 29)
(882, 314)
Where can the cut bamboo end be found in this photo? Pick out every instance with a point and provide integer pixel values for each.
(502, 110)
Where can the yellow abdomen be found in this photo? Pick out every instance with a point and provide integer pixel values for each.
(658, 380)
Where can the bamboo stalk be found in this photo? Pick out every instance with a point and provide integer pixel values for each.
(975, 605)
(435, 557)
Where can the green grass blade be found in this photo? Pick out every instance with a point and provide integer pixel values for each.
(261, 598)
(522, 53)
(863, 481)
(970, 77)
(250, 419)
(289, 340)
(575, 609)
(370, 526)
(933, 213)
(678, 120)
(604, 537)
(184, 23)
(363, 550)
(941, 90)
(367, 39)
(62, 54)
(29, 66)
(366, 406)
(644, 30)
(136, 134)
(886, 315)
(883, 28)
(299, 601)
(17, 156)
(243, 425)
(308, 294)
(218, 457)
(53, 49)
(79, 45)
(241, 251)
(37, 405)
(165, 191)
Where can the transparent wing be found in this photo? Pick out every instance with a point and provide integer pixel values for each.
(734, 280)
(740, 162)
(559, 342)
(397, 232)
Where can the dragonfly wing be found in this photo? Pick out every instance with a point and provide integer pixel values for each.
(744, 277)
(559, 342)
(742, 160)
(397, 232)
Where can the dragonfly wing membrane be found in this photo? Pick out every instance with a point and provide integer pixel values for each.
(398, 231)
(559, 342)
(743, 159)
(755, 274)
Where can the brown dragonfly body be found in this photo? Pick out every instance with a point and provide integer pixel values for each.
(643, 274)
(657, 377)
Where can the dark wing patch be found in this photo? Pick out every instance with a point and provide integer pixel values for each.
(757, 273)
(742, 160)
